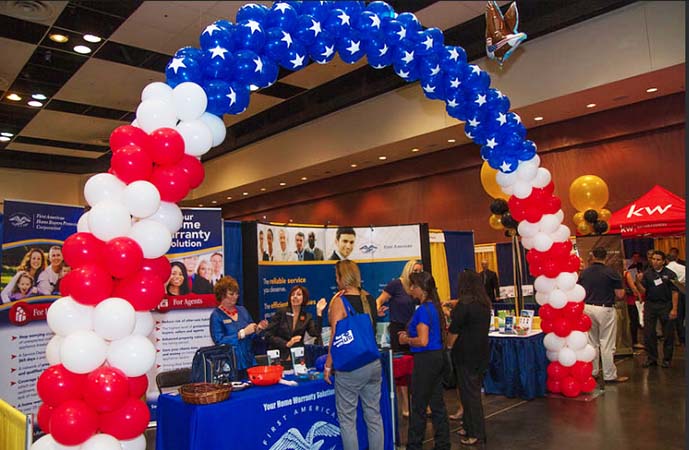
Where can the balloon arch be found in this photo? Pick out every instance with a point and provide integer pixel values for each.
(100, 353)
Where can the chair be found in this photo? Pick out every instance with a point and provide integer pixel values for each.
(172, 379)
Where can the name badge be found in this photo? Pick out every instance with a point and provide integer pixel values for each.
(227, 321)
(658, 281)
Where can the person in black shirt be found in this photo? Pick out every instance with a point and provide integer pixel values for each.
(660, 304)
(490, 281)
(603, 286)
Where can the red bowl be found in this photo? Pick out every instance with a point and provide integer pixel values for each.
(265, 375)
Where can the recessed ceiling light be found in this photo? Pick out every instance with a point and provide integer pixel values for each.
(229, 198)
(82, 49)
(35, 103)
(538, 119)
(304, 178)
(92, 38)
(651, 89)
(6, 134)
(245, 193)
(282, 183)
(452, 141)
(14, 97)
(353, 165)
(263, 189)
(214, 201)
(591, 105)
(39, 97)
(382, 158)
(4, 139)
(414, 150)
(59, 38)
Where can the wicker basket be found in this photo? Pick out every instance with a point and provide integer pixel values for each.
(205, 393)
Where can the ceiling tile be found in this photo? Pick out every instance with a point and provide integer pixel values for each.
(52, 150)
(125, 84)
(228, 10)
(44, 13)
(67, 127)
(15, 55)
(445, 15)
(316, 74)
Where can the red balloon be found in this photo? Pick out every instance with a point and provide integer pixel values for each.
(194, 170)
(45, 411)
(572, 310)
(553, 385)
(548, 313)
(131, 163)
(570, 387)
(561, 250)
(551, 205)
(159, 267)
(546, 326)
(581, 371)
(56, 385)
(557, 371)
(73, 422)
(106, 389)
(573, 264)
(90, 284)
(167, 146)
(137, 386)
(128, 134)
(124, 256)
(589, 385)
(82, 248)
(143, 290)
(552, 268)
(562, 327)
(172, 183)
(66, 284)
(126, 422)
(582, 323)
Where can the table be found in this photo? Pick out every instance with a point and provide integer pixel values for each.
(517, 366)
(261, 417)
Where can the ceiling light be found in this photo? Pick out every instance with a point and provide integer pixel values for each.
(414, 150)
(263, 189)
(452, 141)
(229, 198)
(39, 97)
(538, 119)
(92, 38)
(353, 165)
(4, 139)
(200, 204)
(6, 134)
(591, 105)
(382, 158)
(59, 38)
(35, 103)
(82, 49)
(651, 89)
(282, 183)
(214, 202)
(304, 178)
(14, 97)
(245, 193)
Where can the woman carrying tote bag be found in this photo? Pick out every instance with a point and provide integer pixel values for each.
(363, 382)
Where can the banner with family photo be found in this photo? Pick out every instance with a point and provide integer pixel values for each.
(32, 267)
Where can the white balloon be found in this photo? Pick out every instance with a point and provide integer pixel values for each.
(83, 351)
(527, 170)
(566, 280)
(505, 179)
(141, 198)
(561, 234)
(553, 342)
(552, 356)
(83, 223)
(586, 354)
(567, 357)
(114, 318)
(527, 242)
(549, 223)
(169, 215)
(542, 179)
(560, 215)
(157, 91)
(198, 138)
(144, 323)
(66, 315)
(507, 189)
(102, 187)
(46, 442)
(101, 441)
(135, 123)
(577, 340)
(544, 284)
(190, 100)
(153, 114)
(153, 237)
(542, 242)
(138, 443)
(108, 220)
(527, 229)
(521, 189)
(58, 446)
(52, 350)
(217, 127)
(577, 294)
(134, 355)
(557, 299)
(542, 298)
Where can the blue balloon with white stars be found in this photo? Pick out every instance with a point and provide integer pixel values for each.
(307, 29)
(217, 62)
(404, 54)
(429, 66)
(269, 73)
(218, 33)
(318, 10)
(216, 91)
(408, 72)
(433, 88)
(249, 35)
(183, 69)
(476, 79)
(278, 41)
(322, 51)
(338, 22)
(296, 57)
(281, 15)
(382, 9)
(394, 31)
(497, 101)
(410, 22)
(378, 53)
(428, 41)
(350, 47)
(191, 52)
(252, 11)
(528, 150)
(349, 6)
(368, 23)
(453, 59)
(297, 5)
(247, 67)
(237, 97)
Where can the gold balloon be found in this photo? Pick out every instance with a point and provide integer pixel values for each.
(584, 228)
(489, 184)
(578, 218)
(604, 215)
(495, 222)
(588, 192)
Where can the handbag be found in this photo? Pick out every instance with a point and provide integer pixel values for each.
(214, 364)
(354, 344)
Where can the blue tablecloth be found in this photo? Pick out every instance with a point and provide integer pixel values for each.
(517, 367)
(259, 417)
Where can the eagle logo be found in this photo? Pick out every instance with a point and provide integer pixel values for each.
(368, 248)
(293, 439)
(19, 220)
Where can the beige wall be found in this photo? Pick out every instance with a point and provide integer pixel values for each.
(31, 185)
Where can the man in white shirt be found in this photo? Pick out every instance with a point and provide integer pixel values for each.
(674, 265)
(216, 266)
(283, 254)
(47, 280)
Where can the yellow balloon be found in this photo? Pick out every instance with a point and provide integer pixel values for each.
(604, 215)
(489, 184)
(584, 228)
(588, 192)
(495, 222)
(578, 218)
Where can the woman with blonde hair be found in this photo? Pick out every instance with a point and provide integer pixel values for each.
(33, 263)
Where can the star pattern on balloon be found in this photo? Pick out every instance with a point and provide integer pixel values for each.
(435, 70)
(452, 103)
(315, 27)
(298, 61)
(505, 166)
(502, 118)
(259, 64)
(218, 51)
(253, 25)
(454, 83)
(354, 47)
(491, 143)
(329, 50)
(454, 54)
(287, 38)
(176, 64)
(282, 7)
(480, 99)
(402, 33)
(475, 69)
(403, 73)
(210, 29)
(375, 21)
(428, 42)
(232, 95)
(428, 88)
(474, 122)
(408, 57)
(383, 50)
(344, 18)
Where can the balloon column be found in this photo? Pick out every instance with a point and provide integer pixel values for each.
(589, 194)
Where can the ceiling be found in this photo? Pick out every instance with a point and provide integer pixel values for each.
(90, 95)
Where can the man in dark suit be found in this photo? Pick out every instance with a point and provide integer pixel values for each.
(490, 281)
(302, 254)
(344, 243)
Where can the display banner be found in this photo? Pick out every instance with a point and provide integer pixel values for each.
(32, 266)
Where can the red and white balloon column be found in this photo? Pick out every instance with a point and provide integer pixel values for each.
(100, 354)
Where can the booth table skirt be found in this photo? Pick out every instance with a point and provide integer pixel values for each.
(517, 367)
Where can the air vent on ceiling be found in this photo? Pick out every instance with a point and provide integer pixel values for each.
(621, 97)
(31, 10)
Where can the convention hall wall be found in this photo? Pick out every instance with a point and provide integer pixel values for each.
(632, 148)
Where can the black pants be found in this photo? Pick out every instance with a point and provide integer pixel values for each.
(634, 322)
(427, 389)
(470, 381)
(654, 311)
(396, 327)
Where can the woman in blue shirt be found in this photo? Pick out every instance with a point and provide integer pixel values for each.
(232, 324)
(426, 336)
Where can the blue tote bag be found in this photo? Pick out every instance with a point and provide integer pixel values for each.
(354, 344)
